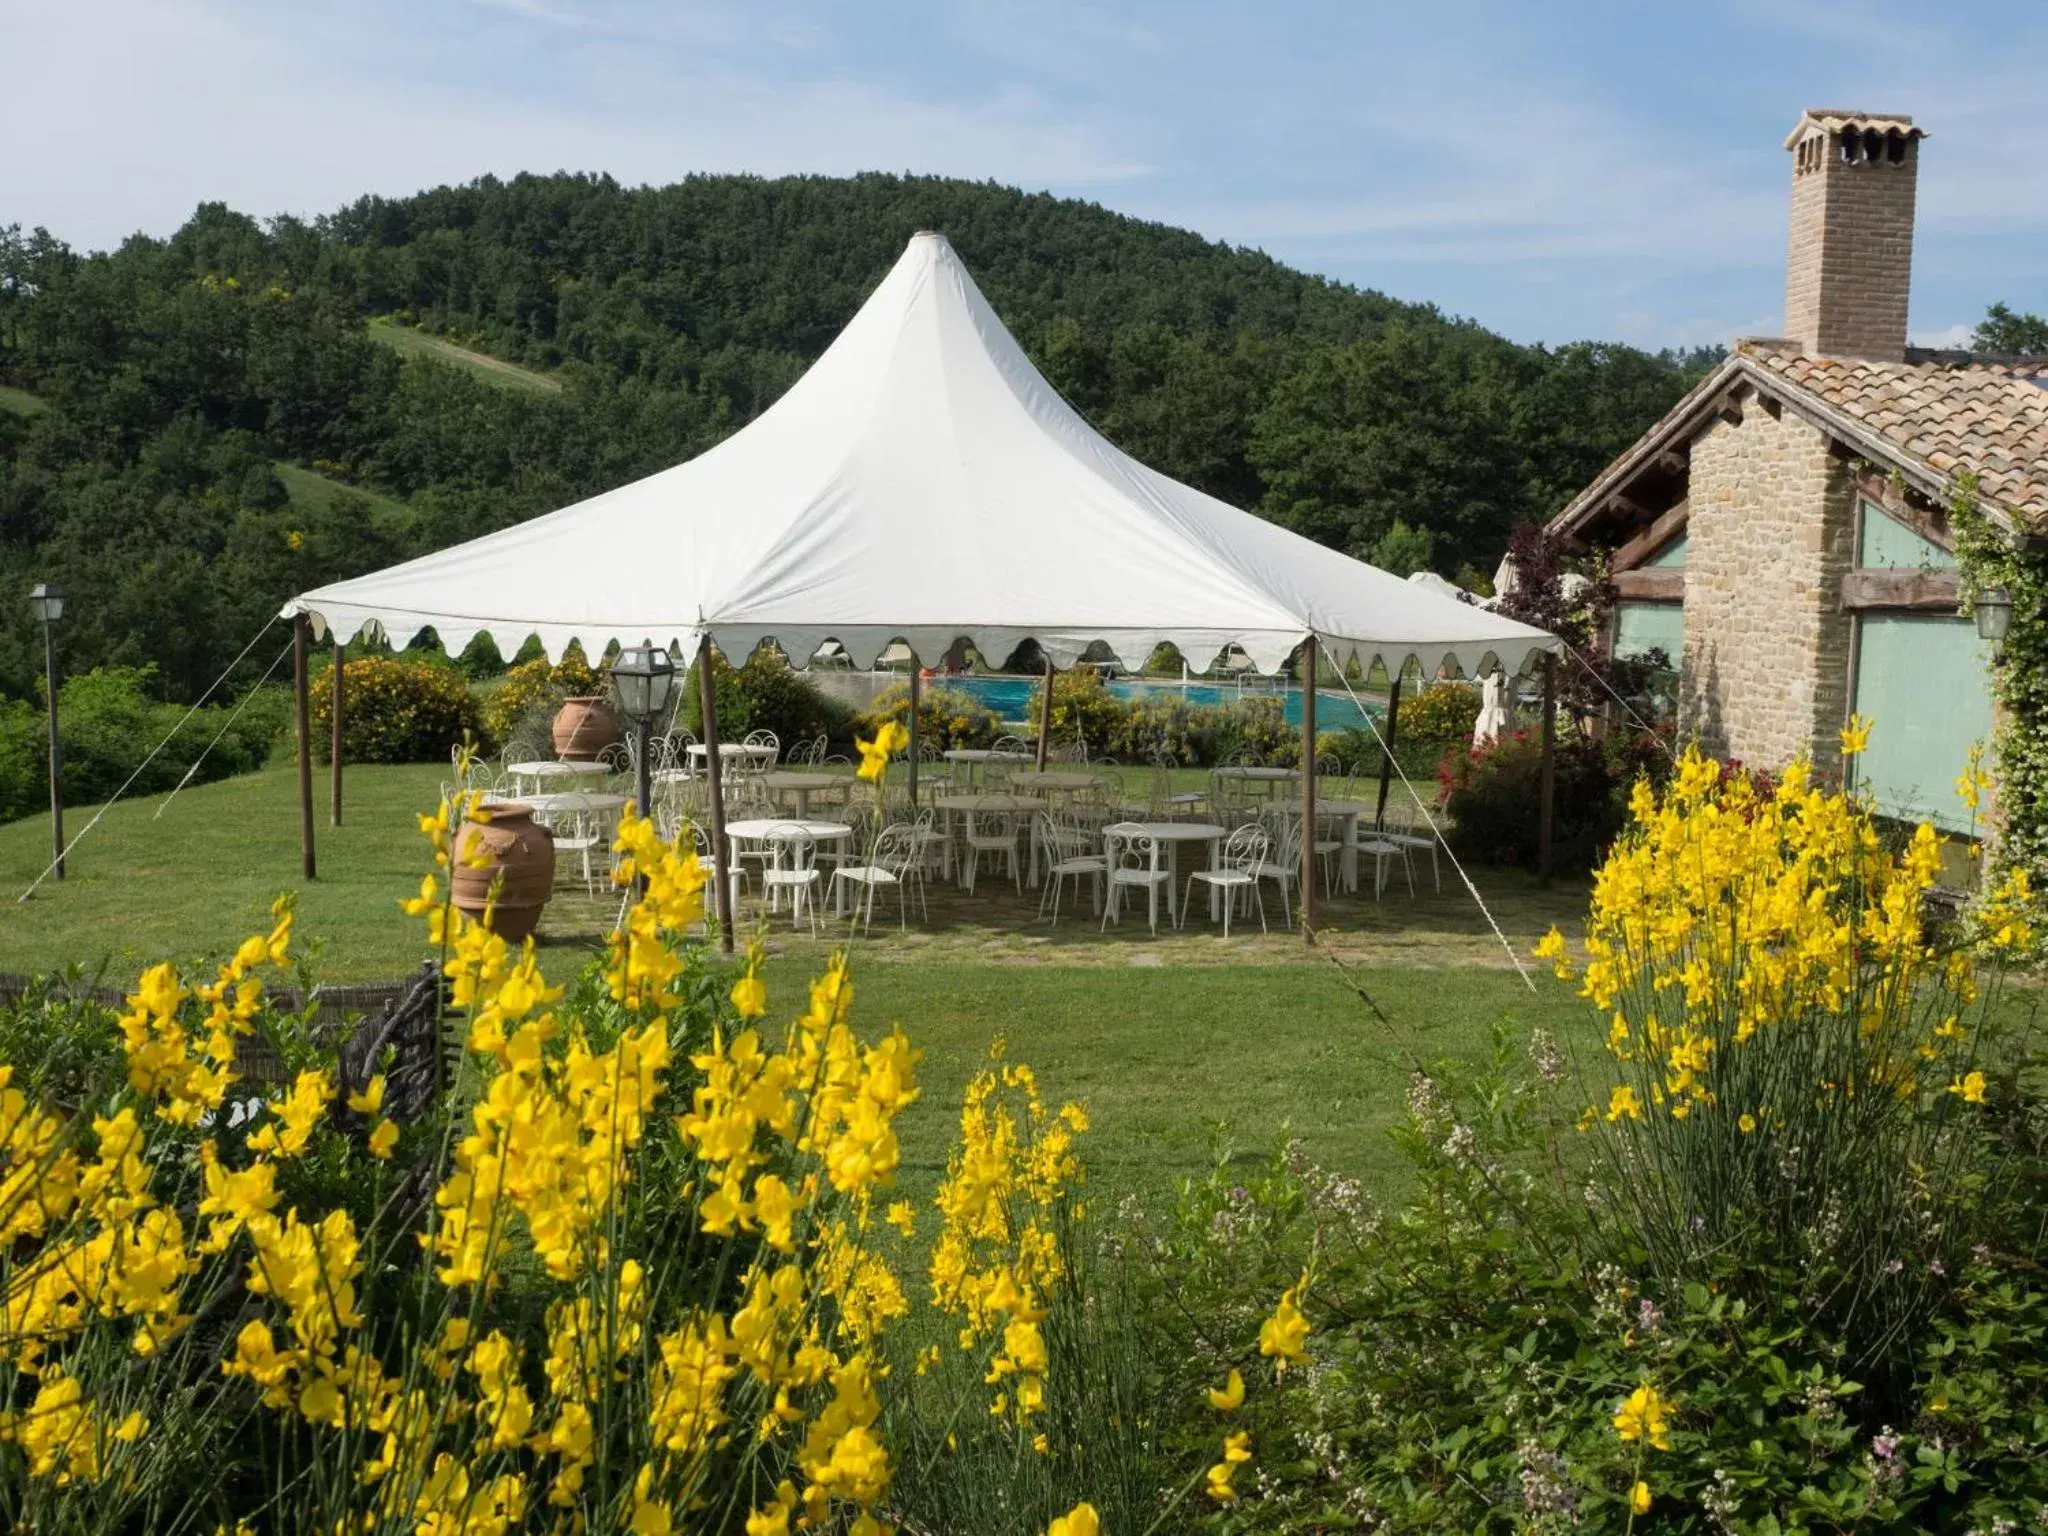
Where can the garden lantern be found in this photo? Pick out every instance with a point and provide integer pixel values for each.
(47, 604)
(645, 677)
(1993, 609)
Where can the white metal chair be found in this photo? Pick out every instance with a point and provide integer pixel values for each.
(1136, 861)
(1070, 856)
(792, 868)
(1282, 863)
(589, 836)
(1402, 828)
(764, 750)
(992, 832)
(894, 860)
(1236, 875)
(735, 872)
(1168, 803)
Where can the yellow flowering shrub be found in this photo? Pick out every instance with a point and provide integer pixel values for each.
(1794, 1046)
(640, 1286)
(394, 710)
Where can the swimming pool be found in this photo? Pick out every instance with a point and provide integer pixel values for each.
(1010, 697)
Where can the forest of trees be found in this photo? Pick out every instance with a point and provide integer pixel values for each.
(154, 400)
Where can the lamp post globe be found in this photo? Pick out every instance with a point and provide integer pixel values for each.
(46, 602)
(645, 678)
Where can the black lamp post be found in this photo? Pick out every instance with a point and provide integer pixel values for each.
(47, 604)
(1993, 610)
(645, 677)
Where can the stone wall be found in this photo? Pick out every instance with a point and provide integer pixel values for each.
(1766, 643)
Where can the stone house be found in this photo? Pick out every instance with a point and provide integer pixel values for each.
(1782, 534)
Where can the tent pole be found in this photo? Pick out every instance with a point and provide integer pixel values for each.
(1548, 794)
(1045, 716)
(1379, 818)
(1308, 790)
(302, 719)
(721, 859)
(913, 730)
(334, 747)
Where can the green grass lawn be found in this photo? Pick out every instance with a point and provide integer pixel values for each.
(1171, 1041)
(408, 342)
(315, 492)
(19, 401)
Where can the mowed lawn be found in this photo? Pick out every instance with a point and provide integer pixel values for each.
(1178, 1046)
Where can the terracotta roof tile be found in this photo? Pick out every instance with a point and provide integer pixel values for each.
(1990, 419)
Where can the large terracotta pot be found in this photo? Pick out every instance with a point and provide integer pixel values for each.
(584, 728)
(514, 852)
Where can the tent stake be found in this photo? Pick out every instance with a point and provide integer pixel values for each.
(1045, 716)
(1379, 817)
(721, 860)
(1548, 793)
(913, 729)
(1308, 790)
(334, 747)
(302, 719)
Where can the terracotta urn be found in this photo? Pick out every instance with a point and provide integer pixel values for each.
(512, 851)
(583, 728)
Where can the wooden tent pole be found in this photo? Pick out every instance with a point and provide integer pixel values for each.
(714, 770)
(1045, 716)
(1308, 790)
(913, 730)
(1548, 794)
(334, 747)
(1379, 818)
(302, 719)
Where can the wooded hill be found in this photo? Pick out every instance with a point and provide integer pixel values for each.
(192, 429)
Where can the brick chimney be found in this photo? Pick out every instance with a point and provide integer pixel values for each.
(1850, 266)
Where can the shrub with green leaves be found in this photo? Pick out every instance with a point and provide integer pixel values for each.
(395, 711)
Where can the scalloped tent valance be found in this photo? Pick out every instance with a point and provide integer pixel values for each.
(921, 482)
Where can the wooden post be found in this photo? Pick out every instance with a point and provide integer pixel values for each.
(302, 718)
(1548, 795)
(334, 747)
(1045, 716)
(714, 770)
(1308, 790)
(1379, 818)
(913, 729)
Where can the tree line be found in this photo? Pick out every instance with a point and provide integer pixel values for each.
(152, 392)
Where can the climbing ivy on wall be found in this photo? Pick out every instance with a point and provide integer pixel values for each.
(1989, 556)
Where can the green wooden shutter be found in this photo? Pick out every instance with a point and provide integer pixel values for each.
(1924, 681)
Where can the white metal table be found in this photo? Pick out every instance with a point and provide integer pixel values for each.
(1169, 835)
(800, 786)
(771, 829)
(733, 754)
(976, 759)
(963, 806)
(553, 770)
(1269, 779)
(1051, 779)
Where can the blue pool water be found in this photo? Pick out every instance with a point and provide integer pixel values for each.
(1010, 697)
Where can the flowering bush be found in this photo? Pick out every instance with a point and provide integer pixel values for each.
(1443, 714)
(394, 711)
(945, 716)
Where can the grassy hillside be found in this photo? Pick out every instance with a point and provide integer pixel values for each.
(19, 401)
(409, 341)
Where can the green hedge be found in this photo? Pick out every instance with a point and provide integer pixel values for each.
(108, 722)
(395, 711)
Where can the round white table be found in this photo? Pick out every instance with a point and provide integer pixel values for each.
(975, 759)
(802, 785)
(1268, 780)
(1050, 779)
(767, 830)
(735, 754)
(564, 802)
(965, 806)
(555, 770)
(1167, 836)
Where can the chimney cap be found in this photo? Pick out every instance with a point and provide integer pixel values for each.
(1839, 119)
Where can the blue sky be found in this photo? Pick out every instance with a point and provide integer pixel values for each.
(1556, 171)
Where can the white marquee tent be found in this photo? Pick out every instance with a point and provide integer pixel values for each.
(921, 482)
